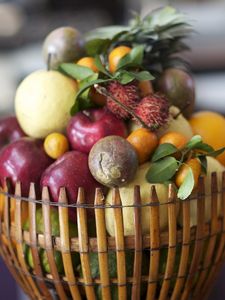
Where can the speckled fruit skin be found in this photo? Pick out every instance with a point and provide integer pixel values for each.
(24, 160)
(113, 161)
(10, 131)
(64, 44)
(71, 171)
(86, 128)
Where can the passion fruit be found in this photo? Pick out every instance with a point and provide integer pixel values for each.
(63, 44)
(113, 161)
(179, 88)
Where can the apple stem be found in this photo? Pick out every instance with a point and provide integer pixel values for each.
(102, 90)
(182, 109)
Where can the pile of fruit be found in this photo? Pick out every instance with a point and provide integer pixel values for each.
(112, 109)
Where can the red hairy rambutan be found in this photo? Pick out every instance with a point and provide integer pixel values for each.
(153, 110)
(126, 94)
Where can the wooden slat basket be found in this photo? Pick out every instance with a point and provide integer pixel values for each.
(179, 262)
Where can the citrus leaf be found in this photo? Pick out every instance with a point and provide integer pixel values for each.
(163, 150)
(75, 71)
(216, 152)
(195, 140)
(100, 66)
(107, 32)
(143, 75)
(205, 147)
(125, 78)
(133, 58)
(96, 46)
(187, 186)
(162, 170)
(203, 162)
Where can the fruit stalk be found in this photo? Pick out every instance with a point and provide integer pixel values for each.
(104, 92)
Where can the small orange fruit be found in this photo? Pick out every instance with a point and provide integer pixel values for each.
(195, 166)
(88, 62)
(115, 56)
(175, 138)
(96, 97)
(144, 142)
(56, 144)
(145, 88)
(211, 127)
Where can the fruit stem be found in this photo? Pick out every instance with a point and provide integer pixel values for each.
(104, 92)
(182, 109)
(49, 61)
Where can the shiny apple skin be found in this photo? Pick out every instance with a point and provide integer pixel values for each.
(23, 160)
(87, 127)
(71, 171)
(10, 131)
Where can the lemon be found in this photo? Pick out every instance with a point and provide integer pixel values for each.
(43, 102)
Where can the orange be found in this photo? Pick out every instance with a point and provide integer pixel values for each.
(175, 138)
(56, 144)
(144, 142)
(211, 127)
(115, 56)
(88, 62)
(96, 97)
(195, 165)
(145, 87)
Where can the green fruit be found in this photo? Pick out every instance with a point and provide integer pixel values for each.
(64, 44)
(179, 87)
(95, 271)
(113, 161)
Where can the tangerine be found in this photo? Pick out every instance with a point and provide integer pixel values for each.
(88, 62)
(211, 126)
(115, 56)
(56, 144)
(195, 166)
(175, 138)
(144, 142)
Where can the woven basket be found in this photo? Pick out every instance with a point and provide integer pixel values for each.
(193, 254)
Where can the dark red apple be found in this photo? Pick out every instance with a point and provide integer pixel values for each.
(71, 171)
(87, 127)
(10, 131)
(25, 161)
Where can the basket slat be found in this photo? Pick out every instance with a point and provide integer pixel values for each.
(172, 244)
(199, 240)
(154, 245)
(49, 244)
(184, 251)
(120, 245)
(34, 245)
(65, 245)
(136, 288)
(19, 243)
(102, 245)
(219, 255)
(208, 259)
(83, 245)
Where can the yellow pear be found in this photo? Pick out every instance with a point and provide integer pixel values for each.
(126, 194)
(43, 102)
(213, 165)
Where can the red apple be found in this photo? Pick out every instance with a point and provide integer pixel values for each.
(87, 127)
(25, 161)
(10, 131)
(71, 171)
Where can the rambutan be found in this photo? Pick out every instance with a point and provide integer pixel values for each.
(153, 110)
(126, 94)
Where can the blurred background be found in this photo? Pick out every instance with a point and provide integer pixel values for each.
(25, 23)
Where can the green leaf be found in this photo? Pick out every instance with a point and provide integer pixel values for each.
(75, 71)
(96, 46)
(162, 170)
(143, 75)
(195, 140)
(216, 152)
(203, 161)
(163, 150)
(101, 67)
(125, 77)
(187, 186)
(133, 58)
(107, 32)
(204, 147)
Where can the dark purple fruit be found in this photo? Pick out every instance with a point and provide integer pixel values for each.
(179, 88)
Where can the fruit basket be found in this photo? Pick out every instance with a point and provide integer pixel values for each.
(111, 187)
(191, 255)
